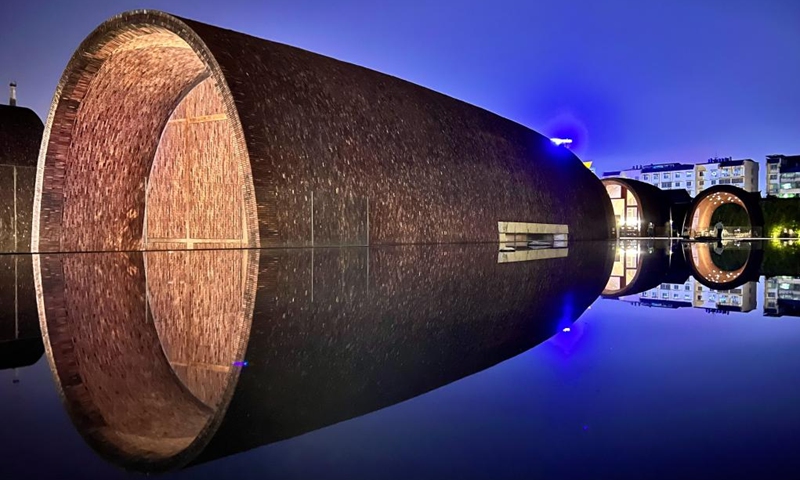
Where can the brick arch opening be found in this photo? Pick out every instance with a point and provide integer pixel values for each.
(627, 205)
(143, 149)
(706, 203)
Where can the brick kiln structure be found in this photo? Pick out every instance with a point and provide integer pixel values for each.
(169, 133)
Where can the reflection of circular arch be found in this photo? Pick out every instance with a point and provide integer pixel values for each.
(707, 202)
(143, 347)
(94, 337)
(705, 271)
(654, 266)
(620, 269)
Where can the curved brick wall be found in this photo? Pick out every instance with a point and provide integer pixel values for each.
(298, 149)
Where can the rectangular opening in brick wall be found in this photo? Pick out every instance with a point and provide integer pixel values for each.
(515, 236)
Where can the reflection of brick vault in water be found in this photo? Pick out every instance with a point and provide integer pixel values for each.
(329, 334)
(168, 133)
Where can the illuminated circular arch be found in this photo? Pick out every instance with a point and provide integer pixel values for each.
(709, 274)
(706, 203)
(143, 146)
(625, 186)
(653, 205)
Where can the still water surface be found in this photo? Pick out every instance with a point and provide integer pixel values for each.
(638, 360)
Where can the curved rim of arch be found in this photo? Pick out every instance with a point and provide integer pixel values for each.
(89, 48)
(752, 209)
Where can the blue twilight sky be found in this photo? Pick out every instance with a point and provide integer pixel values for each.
(632, 81)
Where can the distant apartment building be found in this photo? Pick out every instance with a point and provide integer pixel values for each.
(694, 178)
(694, 294)
(782, 296)
(783, 175)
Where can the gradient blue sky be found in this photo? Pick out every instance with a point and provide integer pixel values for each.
(631, 81)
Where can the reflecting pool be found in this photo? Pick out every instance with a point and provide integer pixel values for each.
(590, 360)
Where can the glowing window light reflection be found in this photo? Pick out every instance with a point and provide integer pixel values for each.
(561, 141)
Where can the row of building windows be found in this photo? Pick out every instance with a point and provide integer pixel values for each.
(702, 173)
(676, 286)
(665, 295)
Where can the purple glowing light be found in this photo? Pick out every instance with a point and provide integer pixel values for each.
(240, 364)
(566, 329)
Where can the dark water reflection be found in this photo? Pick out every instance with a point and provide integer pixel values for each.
(215, 363)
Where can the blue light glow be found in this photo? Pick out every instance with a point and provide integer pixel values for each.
(566, 142)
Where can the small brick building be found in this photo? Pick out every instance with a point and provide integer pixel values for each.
(20, 137)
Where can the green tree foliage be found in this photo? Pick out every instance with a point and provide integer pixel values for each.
(779, 214)
(781, 259)
(731, 258)
(730, 214)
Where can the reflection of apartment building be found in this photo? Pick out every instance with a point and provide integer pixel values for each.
(694, 178)
(782, 296)
(783, 175)
(694, 294)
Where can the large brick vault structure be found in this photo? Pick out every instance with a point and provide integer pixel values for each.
(167, 133)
